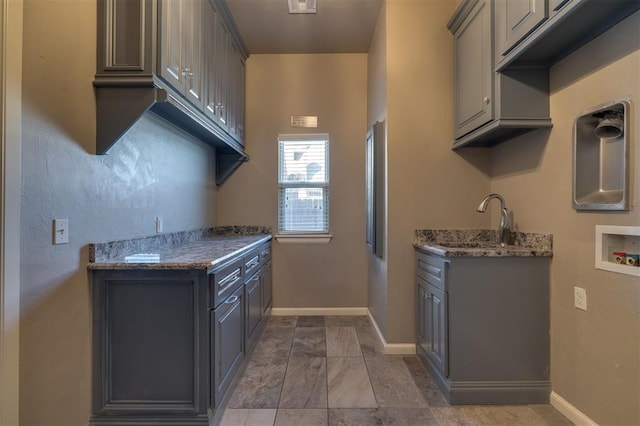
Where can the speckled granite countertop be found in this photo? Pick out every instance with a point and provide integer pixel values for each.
(481, 243)
(198, 249)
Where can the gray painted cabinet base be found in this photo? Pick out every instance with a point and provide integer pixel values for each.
(168, 345)
(495, 328)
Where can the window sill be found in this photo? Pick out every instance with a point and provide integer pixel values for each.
(303, 238)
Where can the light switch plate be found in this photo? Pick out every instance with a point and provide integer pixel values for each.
(60, 231)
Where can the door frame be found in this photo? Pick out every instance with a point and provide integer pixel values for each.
(11, 15)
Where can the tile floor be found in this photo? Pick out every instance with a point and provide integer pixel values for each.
(330, 370)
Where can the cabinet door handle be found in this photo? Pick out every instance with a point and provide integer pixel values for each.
(487, 100)
(232, 299)
(187, 73)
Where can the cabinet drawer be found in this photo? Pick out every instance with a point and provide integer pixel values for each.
(225, 281)
(251, 263)
(432, 269)
(265, 254)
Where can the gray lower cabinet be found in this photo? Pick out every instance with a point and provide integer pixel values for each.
(227, 342)
(254, 307)
(150, 347)
(168, 344)
(267, 289)
(483, 327)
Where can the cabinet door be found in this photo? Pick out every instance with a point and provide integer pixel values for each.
(422, 321)
(436, 332)
(237, 109)
(556, 5)
(519, 18)
(211, 23)
(473, 77)
(192, 58)
(171, 43)
(267, 288)
(254, 307)
(227, 328)
(221, 60)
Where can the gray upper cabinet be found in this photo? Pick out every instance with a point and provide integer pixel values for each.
(503, 51)
(491, 107)
(217, 56)
(556, 6)
(545, 31)
(180, 59)
(473, 76)
(520, 18)
(181, 44)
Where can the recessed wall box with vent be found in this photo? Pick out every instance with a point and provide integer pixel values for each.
(600, 157)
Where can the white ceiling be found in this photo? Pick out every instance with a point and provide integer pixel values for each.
(340, 26)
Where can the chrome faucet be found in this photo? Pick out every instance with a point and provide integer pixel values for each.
(505, 222)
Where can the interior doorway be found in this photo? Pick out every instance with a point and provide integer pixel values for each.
(10, 144)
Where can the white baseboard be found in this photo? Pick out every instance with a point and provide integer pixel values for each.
(392, 348)
(570, 412)
(318, 311)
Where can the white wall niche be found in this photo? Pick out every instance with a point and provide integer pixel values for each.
(616, 238)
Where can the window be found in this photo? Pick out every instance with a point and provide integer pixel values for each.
(303, 184)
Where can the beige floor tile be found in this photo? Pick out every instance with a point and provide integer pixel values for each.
(392, 383)
(348, 384)
(248, 417)
(306, 417)
(342, 341)
(381, 416)
(309, 342)
(305, 384)
(502, 415)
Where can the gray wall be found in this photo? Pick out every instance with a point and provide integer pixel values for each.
(377, 111)
(332, 87)
(595, 354)
(154, 171)
(428, 185)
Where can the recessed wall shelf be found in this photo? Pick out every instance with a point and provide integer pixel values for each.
(610, 239)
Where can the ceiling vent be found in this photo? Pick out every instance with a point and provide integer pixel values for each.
(302, 6)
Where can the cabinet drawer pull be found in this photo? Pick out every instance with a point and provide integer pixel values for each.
(232, 299)
(229, 279)
(253, 262)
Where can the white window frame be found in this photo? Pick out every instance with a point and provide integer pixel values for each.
(309, 236)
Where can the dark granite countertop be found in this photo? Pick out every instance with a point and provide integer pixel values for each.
(481, 243)
(204, 248)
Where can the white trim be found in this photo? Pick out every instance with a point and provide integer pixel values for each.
(318, 311)
(392, 348)
(570, 412)
(303, 238)
(11, 12)
(399, 348)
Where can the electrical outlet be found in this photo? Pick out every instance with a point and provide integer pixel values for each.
(158, 224)
(60, 231)
(580, 298)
